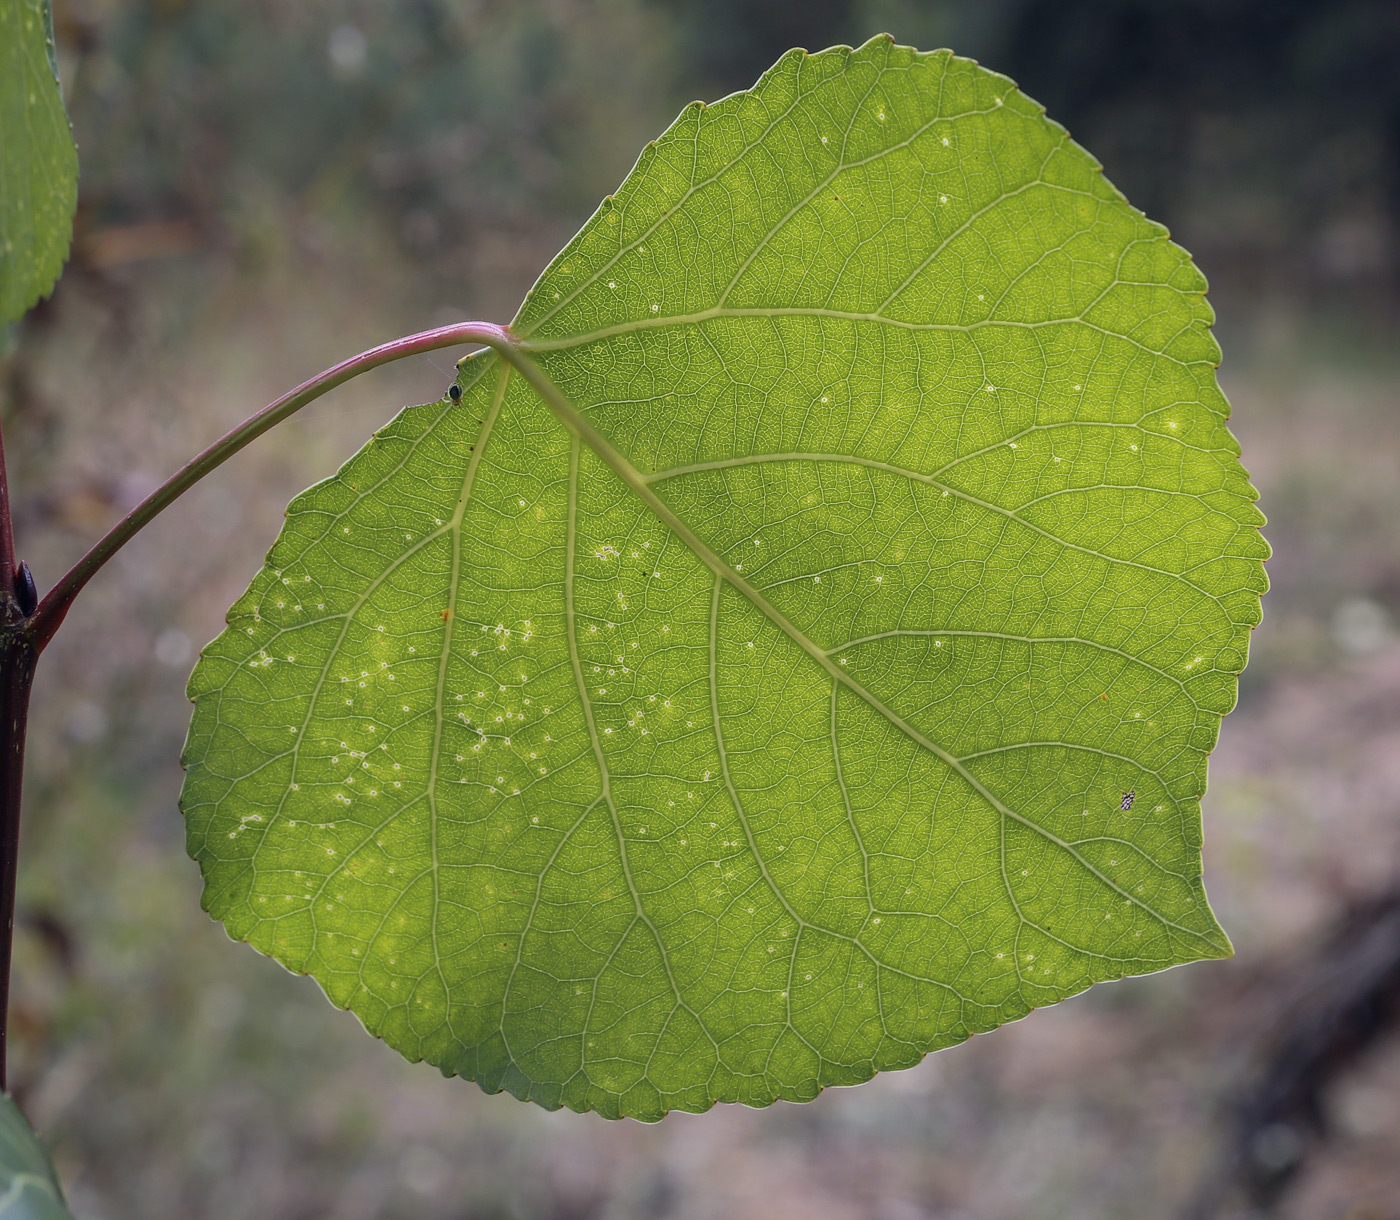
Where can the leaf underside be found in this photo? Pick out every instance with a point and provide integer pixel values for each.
(38, 160)
(826, 676)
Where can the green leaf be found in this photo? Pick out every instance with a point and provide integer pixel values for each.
(803, 654)
(38, 159)
(28, 1188)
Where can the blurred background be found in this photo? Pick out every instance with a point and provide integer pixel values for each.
(269, 186)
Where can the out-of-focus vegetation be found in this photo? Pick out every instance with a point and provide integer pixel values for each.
(1266, 133)
(268, 186)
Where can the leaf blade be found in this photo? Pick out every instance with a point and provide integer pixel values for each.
(680, 831)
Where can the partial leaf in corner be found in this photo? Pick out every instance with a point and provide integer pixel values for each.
(38, 159)
(28, 1188)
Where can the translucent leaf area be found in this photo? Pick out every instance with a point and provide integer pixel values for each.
(804, 656)
(38, 160)
(28, 1188)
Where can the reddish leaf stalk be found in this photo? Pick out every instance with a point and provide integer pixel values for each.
(55, 605)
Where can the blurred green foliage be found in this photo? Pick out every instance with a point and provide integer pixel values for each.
(226, 120)
(1267, 132)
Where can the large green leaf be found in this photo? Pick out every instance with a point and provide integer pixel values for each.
(804, 657)
(38, 160)
(28, 1188)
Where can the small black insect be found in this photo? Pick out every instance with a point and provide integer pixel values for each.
(1127, 802)
(26, 593)
(454, 392)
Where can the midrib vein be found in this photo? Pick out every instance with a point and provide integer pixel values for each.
(739, 812)
(574, 421)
